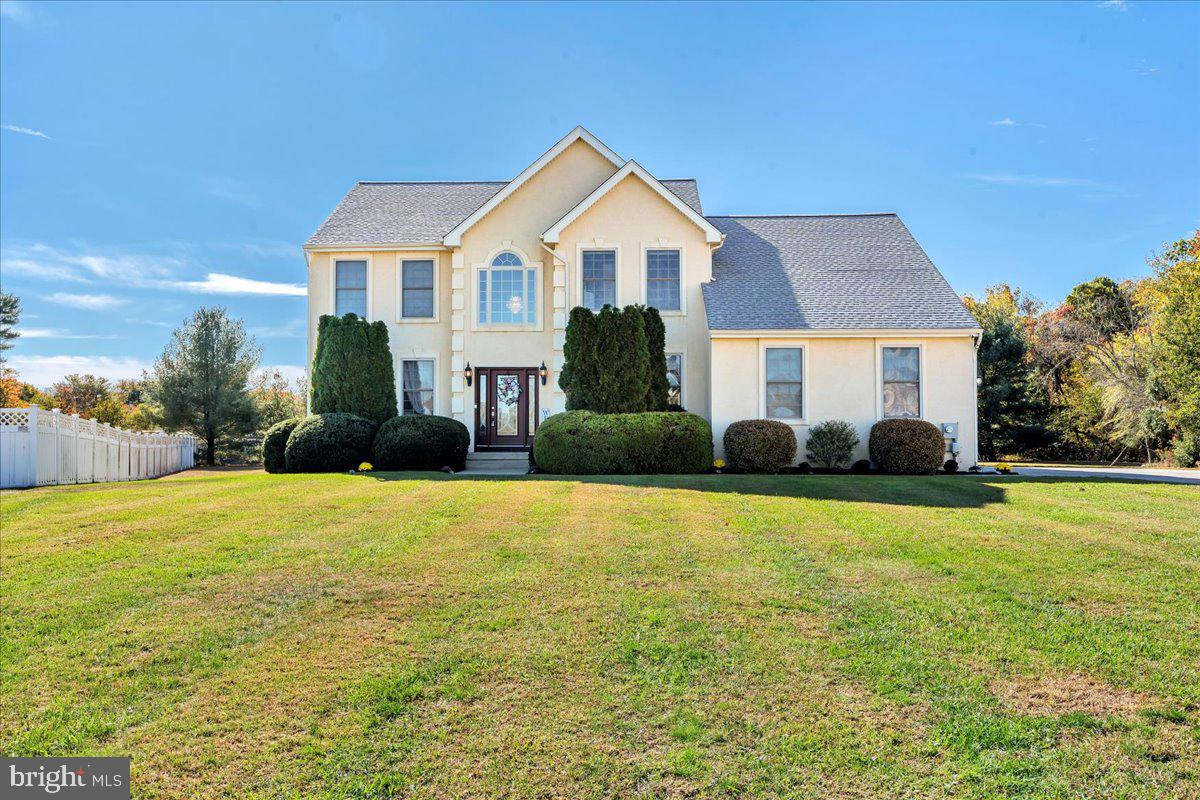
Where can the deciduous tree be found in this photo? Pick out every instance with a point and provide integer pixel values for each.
(200, 383)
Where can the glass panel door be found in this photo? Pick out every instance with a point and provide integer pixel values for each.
(508, 404)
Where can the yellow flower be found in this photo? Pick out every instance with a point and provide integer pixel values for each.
(1003, 469)
(364, 467)
(719, 463)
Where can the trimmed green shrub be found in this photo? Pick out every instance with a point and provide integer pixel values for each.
(421, 441)
(658, 388)
(274, 443)
(907, 446)
(352, 369)
(831, 443)
(329, 443)
(759, 445)
(607, 360)
(652, 442)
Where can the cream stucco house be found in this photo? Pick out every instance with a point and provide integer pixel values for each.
(798, 318)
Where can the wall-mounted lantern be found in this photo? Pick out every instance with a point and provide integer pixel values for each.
(468, 373)
(543, 372)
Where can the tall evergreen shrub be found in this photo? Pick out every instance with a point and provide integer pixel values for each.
(352, 369)
(658, 388)
(607, 357)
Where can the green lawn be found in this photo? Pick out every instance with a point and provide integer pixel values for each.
(246, 635)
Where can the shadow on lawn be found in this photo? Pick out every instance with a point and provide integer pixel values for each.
(940, 491)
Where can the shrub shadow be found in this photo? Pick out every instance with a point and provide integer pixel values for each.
(937, 491)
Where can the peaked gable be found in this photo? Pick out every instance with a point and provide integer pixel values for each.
(454, 237)
(631, 168)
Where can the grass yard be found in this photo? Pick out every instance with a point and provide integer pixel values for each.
(248, 636)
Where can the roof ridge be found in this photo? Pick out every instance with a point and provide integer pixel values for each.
(422, 183)
(800, 216)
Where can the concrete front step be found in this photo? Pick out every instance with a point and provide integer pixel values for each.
(501, 462)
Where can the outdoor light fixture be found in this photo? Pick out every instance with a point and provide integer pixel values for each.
(543, 372)
(468, 373)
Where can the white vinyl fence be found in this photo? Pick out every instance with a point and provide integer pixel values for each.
(41, 448)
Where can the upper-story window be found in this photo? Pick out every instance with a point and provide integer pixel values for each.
(508, 292)
(350, 288)
(662, 279)
(599, 278)
(416, 289)
(902, 382)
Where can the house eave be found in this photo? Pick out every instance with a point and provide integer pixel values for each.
(843, 333)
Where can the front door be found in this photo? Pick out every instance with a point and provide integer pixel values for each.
(506, 407)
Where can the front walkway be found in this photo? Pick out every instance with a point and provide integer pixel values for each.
(1159, 475)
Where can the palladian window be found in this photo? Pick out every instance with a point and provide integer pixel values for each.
(508, 292)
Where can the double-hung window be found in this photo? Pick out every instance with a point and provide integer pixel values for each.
(901, 382)
(416, 289)
(416, 386)
(350, 288)
(508, 292)
(675, 379)
(662, 280)
(599, 279)
(784, 390)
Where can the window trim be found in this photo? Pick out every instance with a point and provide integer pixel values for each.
(783, 344)
(334, 258)
(645, 270)
(400, 261)
(539, 278)
(682, 374)
(400, 358)
(879, 345)
(577, 281)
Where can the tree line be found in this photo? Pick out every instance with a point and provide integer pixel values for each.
(1111, 373)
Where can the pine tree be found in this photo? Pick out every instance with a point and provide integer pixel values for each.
(352, 369)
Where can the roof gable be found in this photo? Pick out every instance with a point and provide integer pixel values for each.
(632, 168)
(454, 237)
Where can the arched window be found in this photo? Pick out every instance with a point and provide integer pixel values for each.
(507, 291)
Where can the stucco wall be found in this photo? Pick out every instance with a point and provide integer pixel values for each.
(842, 382)
(407, 338)
(630, 218)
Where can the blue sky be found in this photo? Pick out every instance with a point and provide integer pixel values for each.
(155, 157)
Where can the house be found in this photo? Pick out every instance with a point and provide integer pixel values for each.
(797, 318)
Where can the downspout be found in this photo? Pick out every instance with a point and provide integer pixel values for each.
(976, 339)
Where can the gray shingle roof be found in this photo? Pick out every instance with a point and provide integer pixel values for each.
(411, 213)
(385, 213)
(863, 271)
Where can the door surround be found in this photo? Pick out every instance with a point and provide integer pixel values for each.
(501, 423)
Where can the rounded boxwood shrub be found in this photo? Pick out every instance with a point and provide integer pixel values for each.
(831, 443)
(907, 446)
(759, 445)
(334, 442)
(275, 441)
(651, 442)
(421, 441)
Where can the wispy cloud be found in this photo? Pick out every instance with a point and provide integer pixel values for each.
(233, 190)
(217, 283)
(156, 323)
(88, 302)
(1009, 122)
(292, 329)
(46, 370)
(1113, 5)
(19, 12)
(135, 270)
(26, 131)
(56, 333)
(1009, 179)
(1143, 67)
